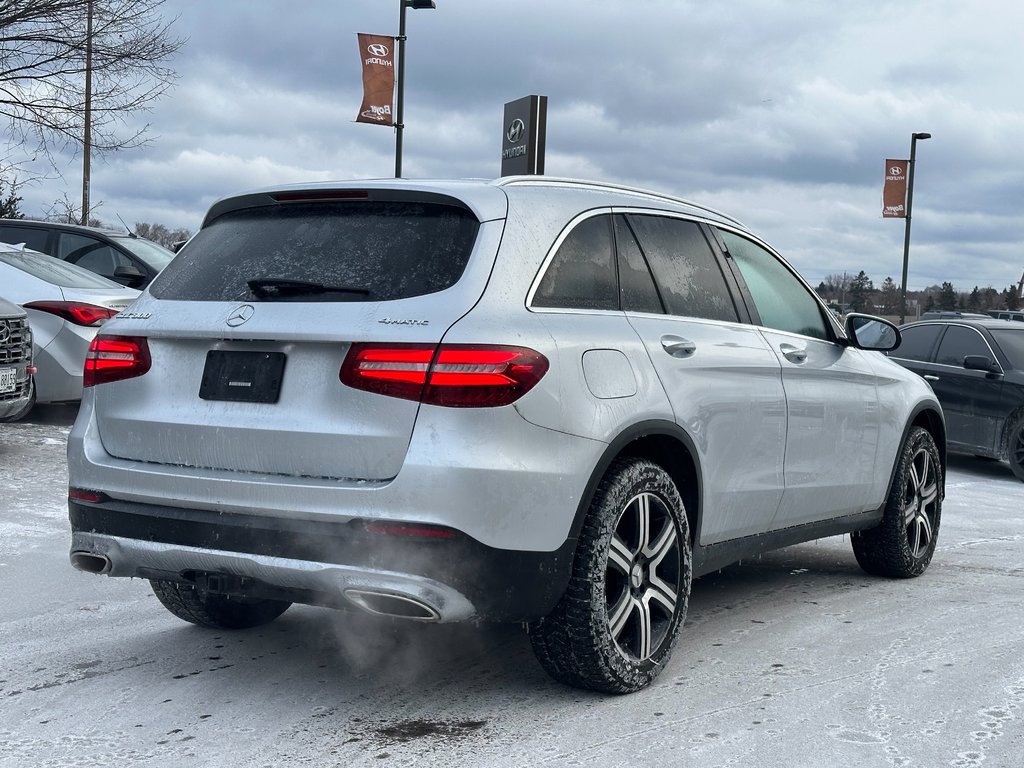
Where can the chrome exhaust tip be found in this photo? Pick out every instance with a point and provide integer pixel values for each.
(90, 562)
(389, 604)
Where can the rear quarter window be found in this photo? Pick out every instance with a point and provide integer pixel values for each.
(381, 250)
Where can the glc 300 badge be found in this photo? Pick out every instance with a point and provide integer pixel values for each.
(134, 315)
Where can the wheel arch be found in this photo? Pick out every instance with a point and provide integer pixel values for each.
(667, 445)
(928, 417)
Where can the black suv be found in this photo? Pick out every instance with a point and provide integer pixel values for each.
(15, 362)
(976, 368)
(122, 257)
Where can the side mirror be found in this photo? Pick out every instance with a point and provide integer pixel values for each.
(129, 275)
(981, 363)
(873, 333)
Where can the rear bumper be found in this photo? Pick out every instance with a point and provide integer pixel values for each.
(321, 562)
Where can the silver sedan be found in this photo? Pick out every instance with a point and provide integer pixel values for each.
(66, 306)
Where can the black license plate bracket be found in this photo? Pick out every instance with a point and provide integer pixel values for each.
(242, 377)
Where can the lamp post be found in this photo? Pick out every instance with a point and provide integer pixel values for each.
(400, 85)
(906, 237)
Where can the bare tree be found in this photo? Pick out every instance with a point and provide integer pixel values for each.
(44, 46)
(158, 233)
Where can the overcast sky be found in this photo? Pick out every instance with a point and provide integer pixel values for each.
(778, 112)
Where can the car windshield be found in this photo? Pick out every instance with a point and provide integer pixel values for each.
(1011, 341)
(153, 254)
(55, 271)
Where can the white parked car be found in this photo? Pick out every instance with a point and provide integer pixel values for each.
(66, 306)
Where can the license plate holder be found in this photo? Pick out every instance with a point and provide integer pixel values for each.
(8, 380)
(242, 377)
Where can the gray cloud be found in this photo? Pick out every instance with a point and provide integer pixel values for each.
(781, 114)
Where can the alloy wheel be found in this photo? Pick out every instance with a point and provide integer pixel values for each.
(919, 502)
(643, 574)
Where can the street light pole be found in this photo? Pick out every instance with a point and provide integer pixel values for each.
(400, 84)
(906, 237)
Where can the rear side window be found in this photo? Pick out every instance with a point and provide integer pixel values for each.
(32, 237)
(917, 342)
(582, 273)
(361, 251)
(688, 274)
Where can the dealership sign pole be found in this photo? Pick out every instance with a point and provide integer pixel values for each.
(381, 88)
(899, 178)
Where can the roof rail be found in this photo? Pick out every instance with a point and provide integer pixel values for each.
(510, 181)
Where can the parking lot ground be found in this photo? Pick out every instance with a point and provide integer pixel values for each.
(795, 659)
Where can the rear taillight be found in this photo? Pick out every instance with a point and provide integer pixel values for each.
(77, 312)
(452, 375)
(113, 358)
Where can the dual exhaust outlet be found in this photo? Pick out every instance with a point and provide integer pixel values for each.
(371, 601)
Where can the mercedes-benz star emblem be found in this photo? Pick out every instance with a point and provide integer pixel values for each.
(240, 315)
(515, 131)
(5, 332)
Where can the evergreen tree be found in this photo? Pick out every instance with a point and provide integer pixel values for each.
(947, 297)
(890, 297)
(861, 293)
(9, 201)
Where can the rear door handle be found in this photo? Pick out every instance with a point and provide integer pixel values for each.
(677, 346)
(793, 354)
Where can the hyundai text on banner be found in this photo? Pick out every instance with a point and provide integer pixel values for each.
(377, 53)
(894, 193)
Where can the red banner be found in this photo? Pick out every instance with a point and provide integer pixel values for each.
(894, 193)
(377, 53)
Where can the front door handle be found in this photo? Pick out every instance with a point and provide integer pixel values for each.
(677, 346)
(793, 354)
(929, 377)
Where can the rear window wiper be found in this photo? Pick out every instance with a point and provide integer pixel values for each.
(280, 287)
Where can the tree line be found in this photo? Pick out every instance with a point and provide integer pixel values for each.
(857, 293)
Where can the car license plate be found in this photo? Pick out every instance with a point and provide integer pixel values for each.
(8, 380)
(242, 377)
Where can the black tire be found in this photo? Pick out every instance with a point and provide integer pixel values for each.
(615, 626)
(207, 609)
(26, 410)
(902, 545)
(1015, 449)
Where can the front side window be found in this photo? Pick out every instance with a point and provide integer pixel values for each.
(781, 299)
(688, 274)
(343, 251)
(1011, 341)
(582, 273)
(958, 343)
(90, 253)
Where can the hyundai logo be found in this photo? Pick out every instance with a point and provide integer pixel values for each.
(376, 49)
(516, 129)
(240, 315)
(895, 171)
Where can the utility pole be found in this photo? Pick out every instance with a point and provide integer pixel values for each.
(87, 133)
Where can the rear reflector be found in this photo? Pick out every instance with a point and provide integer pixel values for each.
(77, 312)
(83, 494)
(452, 375)
(113, 358)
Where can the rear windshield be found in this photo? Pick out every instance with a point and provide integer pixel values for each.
(360, 251)
(55, 271)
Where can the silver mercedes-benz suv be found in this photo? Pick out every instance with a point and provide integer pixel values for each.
(533, 400)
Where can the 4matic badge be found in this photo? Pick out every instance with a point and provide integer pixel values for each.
(393, 321)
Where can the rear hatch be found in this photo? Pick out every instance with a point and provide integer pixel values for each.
(248, 327)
